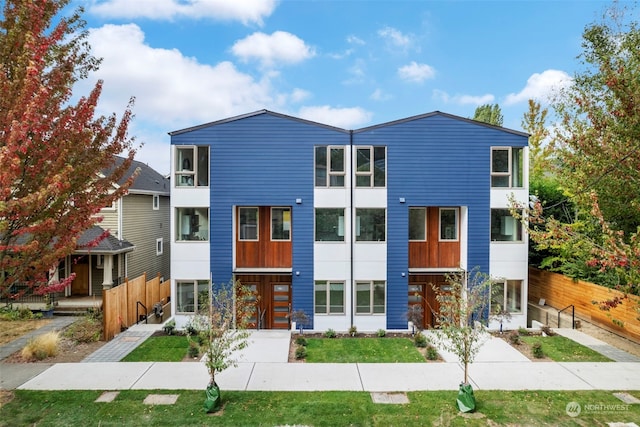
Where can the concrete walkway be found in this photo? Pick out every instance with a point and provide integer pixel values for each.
(595, 344)
(123, 343)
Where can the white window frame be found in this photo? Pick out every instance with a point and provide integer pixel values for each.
(156, 202)
(181, 224)
(285, 224)
(357, 228)
(196, 288)
(505, 295)
(371, 172)
(424, 209)
(510, 169)
(457, 225)
(519, 233)
(339, 226)
(329, 172)
(327, 291)
(186, 175)
(372, 284)
(240, 208)
(159, 246)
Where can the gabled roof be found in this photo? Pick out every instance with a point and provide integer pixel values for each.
(108, 245)
(148, 181)
(257, 113)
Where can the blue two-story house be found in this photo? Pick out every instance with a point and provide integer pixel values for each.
(351, 226)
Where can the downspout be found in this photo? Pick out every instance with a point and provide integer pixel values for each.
(352, 221)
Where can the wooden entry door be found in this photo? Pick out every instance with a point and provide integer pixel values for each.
(273, 301)
(422, 297)
(80, 285)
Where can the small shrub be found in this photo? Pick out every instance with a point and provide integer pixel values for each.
(353, 331)
(432, 352)
(170, 326)
(381, 333)
(301, 341)
(42, 346)
(301, 352)
(514, 338)
(537, 350)
(524, 332)
(420, 340)
(85, 330)
(22, 313)
(330, 333)
(194, 350)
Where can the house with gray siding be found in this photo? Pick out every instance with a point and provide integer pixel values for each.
(352, 226)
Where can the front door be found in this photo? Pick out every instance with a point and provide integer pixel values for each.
(272, 302)
(422, 298)
(80, 284)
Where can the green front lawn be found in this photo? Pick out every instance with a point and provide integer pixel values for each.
(169, 348)
(562, 349)
(498, 408)
(362, 350)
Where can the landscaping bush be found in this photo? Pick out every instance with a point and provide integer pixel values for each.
(330, 333)
(194, 350)
(9, 313)
(537, 350)
(42, 346)
(301, 352)
(301, 341)
(381, 333)
(420, 340)
(514, 338)
(523, 332)
(84, 330)
(432, 353)
(353, 331)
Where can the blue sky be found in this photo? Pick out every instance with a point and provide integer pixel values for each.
(345, 63)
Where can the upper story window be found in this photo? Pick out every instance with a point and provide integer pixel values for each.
(370, 166)
(507, 167)
(370, 225)
(329, 225)
(192, 166)
(418, 224)
(192, 224)
(448, 224)
(504, 227)
(280, 223)
(156, 202)
(248, 224)
(330, 166)
(159, 246)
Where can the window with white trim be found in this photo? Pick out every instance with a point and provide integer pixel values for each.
(329, 225)
(329, 297)
(370, 166)
(156, 202)
(506, 296)
(504, 227)
(192, 224)
(330, 170)
(191, 295)
(280, 223)
(192, 166)
(448, 224)
(418, 224)
(370, 297)
(159, 246)
(248, 223)
(370, 225)
(507, 167)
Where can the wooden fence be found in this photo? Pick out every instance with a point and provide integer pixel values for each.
(120, 303)
(560, 291)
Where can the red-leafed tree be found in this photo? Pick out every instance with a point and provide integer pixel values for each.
(53, 152)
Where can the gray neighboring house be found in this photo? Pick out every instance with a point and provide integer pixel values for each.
(138, 240)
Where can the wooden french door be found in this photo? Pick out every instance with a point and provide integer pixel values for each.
(273, 300)
(422, 297)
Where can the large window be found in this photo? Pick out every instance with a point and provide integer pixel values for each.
(192, 295)
(329, 225)
(370, 297)
(192, 166)
(418, 224)
(329, 297)
(371, 167)
(370, 225)
(507, 167)
(504, 227)
(330, 166)
(448, 224)
(280, 223)
(192, 224)
(506, 296)
(248, 223)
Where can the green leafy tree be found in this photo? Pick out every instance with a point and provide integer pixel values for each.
(540, 149)
(489, 113)
(52, 152)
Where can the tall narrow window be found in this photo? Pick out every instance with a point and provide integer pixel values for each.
(448, 224)
(329, 225)
(248, 223)
(504, 227)
(370, 166)
(280, 223)
(329, 166)
(370, 225)
(507, 167)
(156, 202)
(418, 224)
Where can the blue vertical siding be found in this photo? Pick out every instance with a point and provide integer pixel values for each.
(434, 160)
(263, 160)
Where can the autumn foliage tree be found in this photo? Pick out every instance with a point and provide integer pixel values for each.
(53, 151)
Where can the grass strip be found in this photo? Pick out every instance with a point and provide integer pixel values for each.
(562, 349)
(362, 350)
(169, 348)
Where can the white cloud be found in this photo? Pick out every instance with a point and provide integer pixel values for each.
(245, 11)
(279, 47)
(415, 72)
(380, 95)
(355, 40)
(463, 99)
(395, 37)
(540, 87)
(346, 118)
